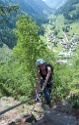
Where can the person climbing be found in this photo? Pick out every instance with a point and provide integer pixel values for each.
(44, 79)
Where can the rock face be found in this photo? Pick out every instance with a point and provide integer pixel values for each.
(61, 113)
(25, 120)
(56, 118)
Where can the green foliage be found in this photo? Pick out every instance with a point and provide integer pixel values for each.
(13, 78)
(17, 75)
(28, 39)
(4, 53)
(7, 22)
(63, 75)
(73, 98)
(29, 46)
(66, 82)
(8, 9)
(70, 10)
(66, 29)
(7, 37)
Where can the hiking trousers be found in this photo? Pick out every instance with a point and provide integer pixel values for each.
(47, 91)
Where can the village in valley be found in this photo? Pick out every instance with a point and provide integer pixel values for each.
(67, 44)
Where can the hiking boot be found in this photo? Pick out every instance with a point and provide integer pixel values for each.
(50, 105)
(44, 101)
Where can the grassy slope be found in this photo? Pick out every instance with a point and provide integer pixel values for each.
(75, 28)
(4, 53)
(58, 21)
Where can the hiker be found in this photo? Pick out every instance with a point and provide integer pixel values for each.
(44, 79)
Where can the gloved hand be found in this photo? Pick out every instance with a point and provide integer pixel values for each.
(38, 95)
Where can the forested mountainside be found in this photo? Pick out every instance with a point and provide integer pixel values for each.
(55, 3)
(70, 10)
(37, 10)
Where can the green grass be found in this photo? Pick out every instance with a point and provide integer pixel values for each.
(4, 53)
(75, 28)
(58, 48)
(59, 21)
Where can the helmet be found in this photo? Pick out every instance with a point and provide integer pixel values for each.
(39, 62)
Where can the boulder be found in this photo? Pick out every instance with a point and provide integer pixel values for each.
(52, 117)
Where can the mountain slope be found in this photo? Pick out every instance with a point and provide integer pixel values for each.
(54, 3)
(37, 9)
(70, 10)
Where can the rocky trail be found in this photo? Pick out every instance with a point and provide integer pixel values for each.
(33, 114)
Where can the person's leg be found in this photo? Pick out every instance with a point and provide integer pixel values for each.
(46, 92)
(47, 96)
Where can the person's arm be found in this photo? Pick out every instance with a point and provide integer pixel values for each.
(47, 77)
(37, 88)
